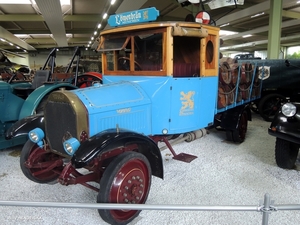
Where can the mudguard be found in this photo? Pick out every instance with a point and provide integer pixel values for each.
(111, 139)
(286, 128)
(34, 99)
(231, 117)
(23, 126)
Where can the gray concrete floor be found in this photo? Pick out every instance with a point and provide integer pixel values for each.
(223, 174)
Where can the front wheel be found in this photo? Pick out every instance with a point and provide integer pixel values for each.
(39, 165)
(286, 153)
(127, 179)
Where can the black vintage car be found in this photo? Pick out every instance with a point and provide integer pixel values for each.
(286, 128)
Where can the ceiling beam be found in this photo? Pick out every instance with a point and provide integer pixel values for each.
(290, 14)
(52, 13)
(39, 18)
(261, 29)
(50, 40)
(13, 39)
(256, 43)
(68, 31)
(248, 12)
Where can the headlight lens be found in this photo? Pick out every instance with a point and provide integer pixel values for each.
(71, 145)
(36, 135)
(289, 109)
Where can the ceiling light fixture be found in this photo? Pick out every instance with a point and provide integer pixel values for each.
(258, 14)
(248, 35)
(99, 25)
(105, 15)
(224, 25)
(112, 2)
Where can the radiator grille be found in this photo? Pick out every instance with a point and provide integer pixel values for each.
(60, 121)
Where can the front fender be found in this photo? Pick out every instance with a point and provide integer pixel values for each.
(23, 126)
(285, 128)
(34, 99)
(111, 139)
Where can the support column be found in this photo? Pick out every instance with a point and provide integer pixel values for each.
(274, 29)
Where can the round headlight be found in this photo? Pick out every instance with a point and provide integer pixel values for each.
(289, 109)
(71, 145)
(36, 135)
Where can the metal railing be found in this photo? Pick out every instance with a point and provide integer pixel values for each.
(266, 208)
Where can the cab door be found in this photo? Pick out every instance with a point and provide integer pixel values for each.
(193, 103)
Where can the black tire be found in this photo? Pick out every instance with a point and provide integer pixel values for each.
(239, 134)
(132, 188)
(286, 153)
(269, 105)
(33, 161)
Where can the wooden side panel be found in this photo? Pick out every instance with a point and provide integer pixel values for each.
(209, 53)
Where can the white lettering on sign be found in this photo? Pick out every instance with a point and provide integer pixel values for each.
(129, 18)
(127, 110)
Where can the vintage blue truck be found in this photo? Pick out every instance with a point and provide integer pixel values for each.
(161, 82)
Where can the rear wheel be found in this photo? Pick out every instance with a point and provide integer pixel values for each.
(239, 134)
(127, 179)
(39, 165)
(286, 153)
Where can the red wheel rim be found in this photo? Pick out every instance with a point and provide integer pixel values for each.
(40, 161)
(131, 185)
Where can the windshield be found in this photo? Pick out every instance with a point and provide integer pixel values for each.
(139, 51)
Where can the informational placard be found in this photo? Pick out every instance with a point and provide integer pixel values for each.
(133, 17)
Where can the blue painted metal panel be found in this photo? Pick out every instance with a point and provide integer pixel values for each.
(123, 104)
(192, 103)
(10, 104)
(159, 91)
(169, 95)
(133, 17)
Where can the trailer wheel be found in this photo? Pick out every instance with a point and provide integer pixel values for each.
(269, 105)
(127, 179)
(37, 164)
(286, 153)
(239, 134)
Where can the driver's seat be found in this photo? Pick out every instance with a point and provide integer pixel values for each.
(40, 77)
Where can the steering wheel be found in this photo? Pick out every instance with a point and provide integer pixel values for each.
(124, 64)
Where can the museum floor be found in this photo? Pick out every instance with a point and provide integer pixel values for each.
(223, 174)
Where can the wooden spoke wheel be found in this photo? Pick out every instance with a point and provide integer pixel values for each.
(39, 165)
(127, 179)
